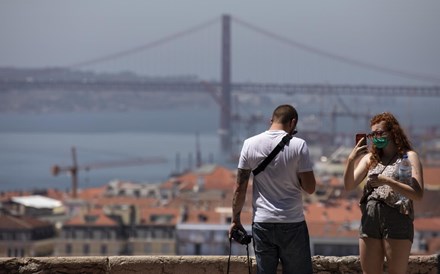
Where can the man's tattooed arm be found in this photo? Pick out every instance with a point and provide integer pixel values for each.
(240, 194)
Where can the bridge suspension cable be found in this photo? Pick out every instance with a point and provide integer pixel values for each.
(340, 58)
(150, 45)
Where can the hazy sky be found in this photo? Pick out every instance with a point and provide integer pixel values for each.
(396, 34)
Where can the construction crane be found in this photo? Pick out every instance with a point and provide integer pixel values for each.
(75, 168)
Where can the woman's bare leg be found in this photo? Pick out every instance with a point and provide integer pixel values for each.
(371, 255)
(397, 254)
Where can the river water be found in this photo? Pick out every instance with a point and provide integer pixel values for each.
(30, 144)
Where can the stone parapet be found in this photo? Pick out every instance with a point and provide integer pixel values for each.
(186, 264)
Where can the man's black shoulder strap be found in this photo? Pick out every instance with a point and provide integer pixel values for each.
(275, 151)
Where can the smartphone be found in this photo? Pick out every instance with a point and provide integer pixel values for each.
(360, 136)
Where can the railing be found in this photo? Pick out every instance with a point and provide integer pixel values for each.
(187, 264)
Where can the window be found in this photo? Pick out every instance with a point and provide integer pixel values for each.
(148, 248)
(166, 248)
(68, 249)
(22, 236)
(18, 252)
(86, 249)
(104, 249)
(106, 234)
(197, 249)
(89, 234)
(202, 218)
(169, 234)
(159, 234)
(147, 233)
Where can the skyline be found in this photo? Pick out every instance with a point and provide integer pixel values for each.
(403, 36)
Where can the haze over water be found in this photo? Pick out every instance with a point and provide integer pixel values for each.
(31, 143)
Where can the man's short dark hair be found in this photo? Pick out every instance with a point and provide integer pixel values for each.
(284, 114)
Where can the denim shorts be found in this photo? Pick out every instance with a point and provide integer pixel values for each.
(381, 221)
(287, 243)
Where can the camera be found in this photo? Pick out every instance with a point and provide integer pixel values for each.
(241, 236)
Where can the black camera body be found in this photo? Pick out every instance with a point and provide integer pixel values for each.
(241, 236)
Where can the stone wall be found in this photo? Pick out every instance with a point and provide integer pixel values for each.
(185, 265)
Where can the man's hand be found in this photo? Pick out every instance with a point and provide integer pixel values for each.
(235, 226)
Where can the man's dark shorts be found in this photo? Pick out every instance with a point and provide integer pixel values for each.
(380, 221)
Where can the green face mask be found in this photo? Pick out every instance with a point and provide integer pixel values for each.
(380, 142)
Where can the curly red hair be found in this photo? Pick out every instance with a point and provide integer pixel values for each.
(396, 133)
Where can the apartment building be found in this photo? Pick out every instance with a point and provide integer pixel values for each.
(154, 232)
(92, 233)
(122, 218)
(24, 236)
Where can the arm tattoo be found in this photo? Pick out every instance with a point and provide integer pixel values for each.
(240, 192)
(243, 176)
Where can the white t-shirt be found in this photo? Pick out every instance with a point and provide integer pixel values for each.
(277, 194)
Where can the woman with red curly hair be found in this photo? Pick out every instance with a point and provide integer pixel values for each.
(386, 228)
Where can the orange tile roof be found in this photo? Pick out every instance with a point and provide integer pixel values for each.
(426, 207)
(24, 222)
(218, 177)
(92, 218)
(427, 224)
(431, 175)
(196, 216)
(92, 193)
(332, 181)
(245, 217)
(337, 182)
(339, 211)
(56, 194)
(334, 219)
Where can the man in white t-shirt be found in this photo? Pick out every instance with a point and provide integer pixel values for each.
(279, 229)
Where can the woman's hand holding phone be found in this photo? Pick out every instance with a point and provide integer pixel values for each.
(363, 137)
(360, 147)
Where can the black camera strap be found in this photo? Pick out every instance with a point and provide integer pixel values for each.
(229, 259)
(275, 151)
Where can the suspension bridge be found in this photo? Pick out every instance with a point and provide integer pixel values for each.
(221, 87)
